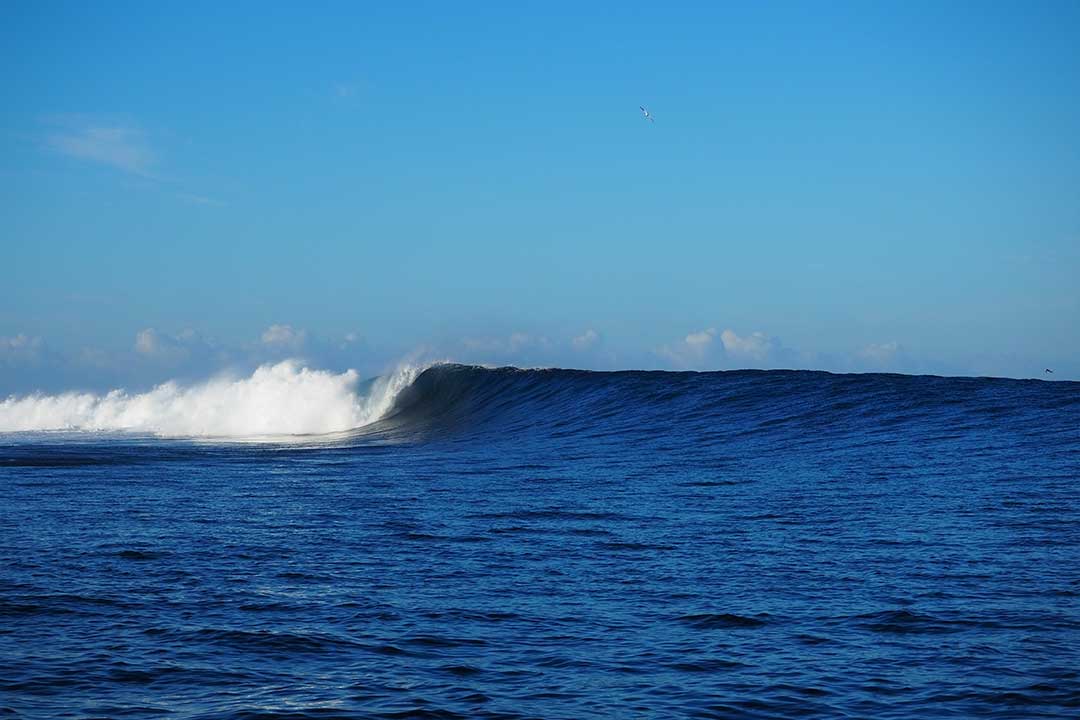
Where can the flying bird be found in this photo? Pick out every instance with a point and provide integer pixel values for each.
(1049, 371)
(645, 112)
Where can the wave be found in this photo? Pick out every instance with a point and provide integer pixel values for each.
(422, 402)
(718, 407)
(275, 400)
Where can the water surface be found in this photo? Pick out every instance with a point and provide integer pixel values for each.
(560, 544)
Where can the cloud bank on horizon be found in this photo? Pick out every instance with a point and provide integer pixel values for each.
(30, 364)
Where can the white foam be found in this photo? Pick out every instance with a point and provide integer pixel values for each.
(281, 399)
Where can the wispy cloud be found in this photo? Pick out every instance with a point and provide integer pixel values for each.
(586, 340)
(19, 349)
(122, 147)
(284, 337)
(894, 357)
(587, 349)
(881, 354)
(187, 347)
(118, 144)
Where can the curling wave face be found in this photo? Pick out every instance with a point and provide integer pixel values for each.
(281, 399)
(655, 408)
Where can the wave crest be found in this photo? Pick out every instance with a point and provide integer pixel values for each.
(281, 399)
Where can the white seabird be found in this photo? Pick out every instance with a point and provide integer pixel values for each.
(646, 113)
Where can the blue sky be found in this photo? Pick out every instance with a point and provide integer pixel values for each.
(843, 186)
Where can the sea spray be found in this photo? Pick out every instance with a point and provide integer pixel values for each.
(281, 399)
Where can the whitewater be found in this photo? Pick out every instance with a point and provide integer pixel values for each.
(275, 400)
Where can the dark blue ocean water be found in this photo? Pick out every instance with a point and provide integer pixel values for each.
(558, 544)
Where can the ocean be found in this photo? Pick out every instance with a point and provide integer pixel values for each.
(504, 543)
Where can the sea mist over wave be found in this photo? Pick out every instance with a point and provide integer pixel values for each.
(281, 399)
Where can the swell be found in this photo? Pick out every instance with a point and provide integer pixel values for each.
(799, 406)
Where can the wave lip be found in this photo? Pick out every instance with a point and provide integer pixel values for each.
(285, 399)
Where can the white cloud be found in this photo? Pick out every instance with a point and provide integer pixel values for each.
(151, 343)
(284, 337)
(586, 340)
(881, 353)
(888, 357)
(694, 352)
(518, 348)
(514, 344)
(757, 346)
(518, 341)
(351, 340)
(189, 355)
(710, 349)
(701, 339)
(19, 342)
(31, 363)
(171, 349)
(20, 349)
(146, 341)
(124, 148)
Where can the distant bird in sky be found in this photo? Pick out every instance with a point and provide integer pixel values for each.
(1049, 371)
(645, 112)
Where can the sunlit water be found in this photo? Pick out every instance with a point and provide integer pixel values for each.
(551, 544)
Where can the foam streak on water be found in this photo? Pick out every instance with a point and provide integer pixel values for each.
(559, 544)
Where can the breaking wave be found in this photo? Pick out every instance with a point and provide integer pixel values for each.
(417, 403)
(281, 399)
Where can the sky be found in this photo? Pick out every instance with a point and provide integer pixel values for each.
(190, 188)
